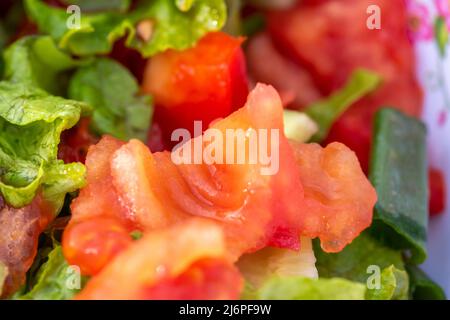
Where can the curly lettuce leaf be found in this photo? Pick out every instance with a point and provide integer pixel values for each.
(153, 26)
(56, 280)
(300, 288)
(394, 285)
(172, 28)
(3, 40)
(100, 5)
(31, 122)
(37, 61)
(95, 35)
(326, 112)
(422, 287)
(112, 91)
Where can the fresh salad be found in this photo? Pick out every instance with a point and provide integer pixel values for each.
(213, 149)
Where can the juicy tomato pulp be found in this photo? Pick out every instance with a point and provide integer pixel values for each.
(338, 195)
(185, 261)
(311, 191)
(330, 39)
(94, 242)
(206, 82)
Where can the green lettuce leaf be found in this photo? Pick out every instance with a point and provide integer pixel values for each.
(56, 280)
(326, 112)
(10, 21)
(113, 92)
(174, 28)
(95, 35)
(359, 262)
(422, 287)
(100, 5)
(300, 288)
(353, 262)
(37, 61)
(152, 27)
(31, 122)
(3, 40)
(394, 285)
(398, 171)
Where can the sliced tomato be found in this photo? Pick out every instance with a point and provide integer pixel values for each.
(339, 197)
(92, 243)
(185, 261)
(203, 83)
(437, 191)
(99, 227)
(99, 198)
(330, 39)
(253, 209)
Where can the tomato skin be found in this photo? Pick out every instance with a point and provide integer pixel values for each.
(252, 209)
(302, 195)
(204, 279)
(169, 263)
(339, 198)
(202, 83)
(99, 226)
(295, 85)
(92, 243)
(330, 40)
(437, 200)
(99, 198)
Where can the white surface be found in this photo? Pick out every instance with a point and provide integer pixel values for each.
(434, 74)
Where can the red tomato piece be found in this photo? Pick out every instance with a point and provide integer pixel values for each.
(437, 191)
(203, 83)
(253, 209)
(99, 227)
(205, 279)
(93, 242)
(181, 262)
(339, 197)
(330, 39)
(295, 85)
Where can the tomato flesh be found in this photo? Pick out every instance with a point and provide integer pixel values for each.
(92, 243)
(313, 191)
(330, 40)
(339, 197)
(170, 264)
(203, 83)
